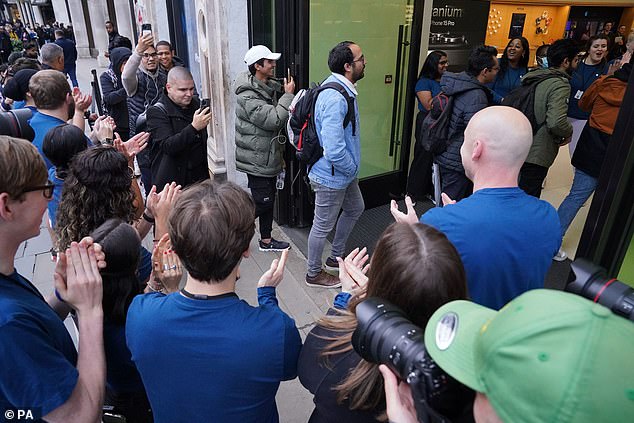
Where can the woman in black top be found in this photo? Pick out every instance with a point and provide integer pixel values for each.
(414, 267)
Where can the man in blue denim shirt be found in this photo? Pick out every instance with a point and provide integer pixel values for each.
(334, 176)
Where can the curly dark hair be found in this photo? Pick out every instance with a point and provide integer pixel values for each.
(96, 189)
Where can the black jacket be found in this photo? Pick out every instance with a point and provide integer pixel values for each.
(115, 98)
(178, 152)
(470, 98)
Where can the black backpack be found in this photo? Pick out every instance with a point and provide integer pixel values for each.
(522, 98)
(302, 133)
(435, 128)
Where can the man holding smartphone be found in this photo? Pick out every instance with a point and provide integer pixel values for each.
(261, 113)
(179, 133)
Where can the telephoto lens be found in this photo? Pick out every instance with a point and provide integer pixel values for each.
(15, 123)
(384, 335)
(592, 282)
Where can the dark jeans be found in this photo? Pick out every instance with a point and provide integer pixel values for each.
(531, 178)
(263, 193)
(419, 181)
(135, 407)
(71, 71)
(455, 184)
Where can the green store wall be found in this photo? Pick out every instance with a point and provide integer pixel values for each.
(373, 25)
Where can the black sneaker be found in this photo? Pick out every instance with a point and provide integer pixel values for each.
(332, 265)
(274, 245)
(323, 280)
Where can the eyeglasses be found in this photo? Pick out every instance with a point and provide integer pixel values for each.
(47, 190)
(360, 59)
(494, 68)
(149, 55)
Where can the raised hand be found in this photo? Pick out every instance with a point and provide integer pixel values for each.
(275, 274)
(401, 217)
(353, 270)
(167, 269)
(201, 118)
(77, 279)
(145, 41)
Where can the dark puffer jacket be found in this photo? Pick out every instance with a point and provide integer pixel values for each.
(114, 94)
(470, 98)
(259, 117)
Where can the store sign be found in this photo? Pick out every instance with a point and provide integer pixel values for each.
(456, 28)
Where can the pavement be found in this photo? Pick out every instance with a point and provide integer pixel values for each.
(303, 303)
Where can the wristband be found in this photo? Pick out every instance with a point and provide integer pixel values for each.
(147, 218)
(59, 297)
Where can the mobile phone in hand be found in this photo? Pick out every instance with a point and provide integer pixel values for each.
(288, 74)
(146, 29)
(205, 102)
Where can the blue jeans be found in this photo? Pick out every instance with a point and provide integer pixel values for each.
(582, 188)
(328, 202)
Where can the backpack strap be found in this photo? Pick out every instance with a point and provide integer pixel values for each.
(350, 114)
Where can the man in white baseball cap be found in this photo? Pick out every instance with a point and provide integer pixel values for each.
(261, 111)
(259, 52)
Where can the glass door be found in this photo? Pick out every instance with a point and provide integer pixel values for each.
(383, 30)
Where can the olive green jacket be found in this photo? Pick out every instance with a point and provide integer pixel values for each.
(261, 111)
(551, 109)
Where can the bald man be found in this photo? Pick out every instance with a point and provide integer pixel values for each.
(505, 237)
(178, 147)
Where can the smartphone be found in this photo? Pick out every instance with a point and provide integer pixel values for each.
(205, 102)
(146, 29)
(288, 74)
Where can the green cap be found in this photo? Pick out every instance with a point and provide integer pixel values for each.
(547, 356)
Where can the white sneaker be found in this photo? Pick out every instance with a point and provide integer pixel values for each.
(560, 256)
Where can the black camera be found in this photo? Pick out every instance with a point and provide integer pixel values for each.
(385, 335)
(593, 283)
(15, 123)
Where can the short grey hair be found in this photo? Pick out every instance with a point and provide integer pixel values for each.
(50, 52)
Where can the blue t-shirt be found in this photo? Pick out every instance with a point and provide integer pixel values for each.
(506, 82)
(506, 240)
(426, 84)
(581, 79)
(37, 355)
(57, 195)
(122, 376)
(41, 124)
(218, 360)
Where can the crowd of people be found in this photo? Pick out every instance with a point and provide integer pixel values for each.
(164, 337)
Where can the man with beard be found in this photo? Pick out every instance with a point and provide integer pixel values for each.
(334, 176)
(551, 109)
(112, 36)
(56, 104)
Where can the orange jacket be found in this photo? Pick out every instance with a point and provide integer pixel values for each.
(603, 98)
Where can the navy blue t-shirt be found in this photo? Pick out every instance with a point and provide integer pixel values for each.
(217, 360)
(37, 355)
(506, 82)
(506, 240)
(426, 84)
(581, 79)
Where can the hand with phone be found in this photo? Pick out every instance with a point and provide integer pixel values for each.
(145, 41)
(289, 82)
(202, 117)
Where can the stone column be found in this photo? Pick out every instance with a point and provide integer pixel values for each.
(38, 15)
(98, 18)
(59, 8)
(79, 28)
(124, 19)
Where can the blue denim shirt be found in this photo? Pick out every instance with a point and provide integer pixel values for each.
(342, 150)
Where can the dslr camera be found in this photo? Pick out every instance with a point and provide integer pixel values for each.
(385, 335)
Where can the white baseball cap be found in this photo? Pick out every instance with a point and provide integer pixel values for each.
(258, 52)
